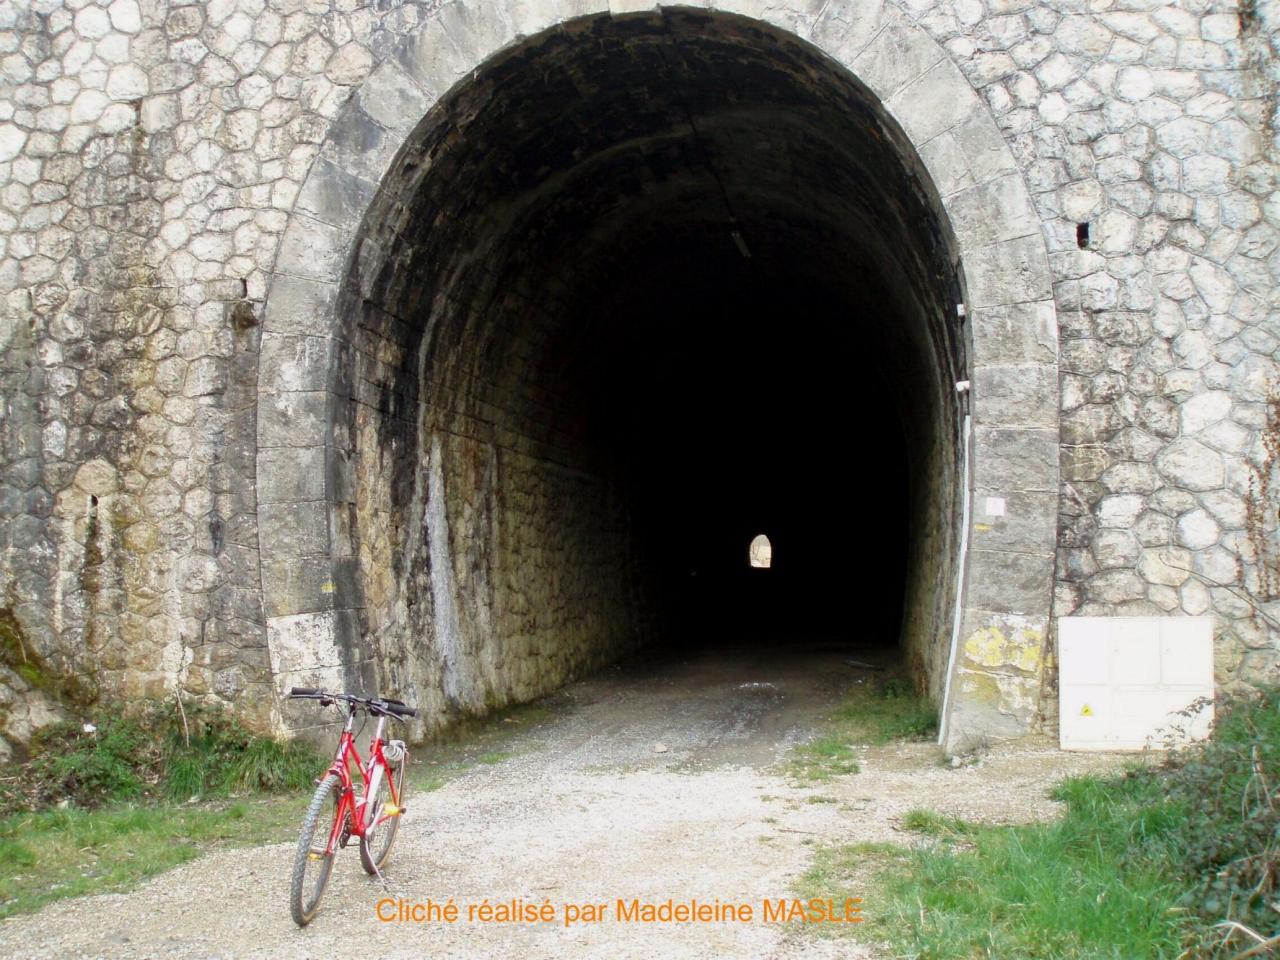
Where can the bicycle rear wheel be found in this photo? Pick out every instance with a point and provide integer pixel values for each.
(375, 845)
(312, 862)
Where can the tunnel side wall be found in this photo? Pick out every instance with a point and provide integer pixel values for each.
(165, 206)
(492, 566)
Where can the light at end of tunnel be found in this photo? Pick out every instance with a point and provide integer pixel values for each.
(760, 554)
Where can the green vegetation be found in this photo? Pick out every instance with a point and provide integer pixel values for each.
(934, 825)
(59, 853)
(101, 807)
(888, 710)
(1070, 889)
(93, 811)
(161, 753)
(823, 759)
(843, 871)
(1148, 864)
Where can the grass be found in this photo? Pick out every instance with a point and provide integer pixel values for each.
(890, 710)
(153, 755)
(1066, 890)
(53, 854)
(935, 825)
(834, 867)
(103, 807)
(1141, 865)
(146, 793)
(824, 759)
(1069, 890)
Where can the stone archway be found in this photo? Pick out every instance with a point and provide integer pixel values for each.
(341, 244)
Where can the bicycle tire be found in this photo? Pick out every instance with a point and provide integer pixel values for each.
(318, 817)
(373, 856)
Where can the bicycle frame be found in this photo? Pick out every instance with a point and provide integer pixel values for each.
(349, 808)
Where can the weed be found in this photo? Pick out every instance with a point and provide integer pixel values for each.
(1226, 795)
(890, 711)
(824, 759)
(1148, 864)
(153, 754)
(934, 825)
(53, 854)
(101, 809)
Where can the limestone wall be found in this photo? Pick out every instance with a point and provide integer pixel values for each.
(151, 155)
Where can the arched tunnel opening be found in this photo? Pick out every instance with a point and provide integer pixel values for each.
(637, 291)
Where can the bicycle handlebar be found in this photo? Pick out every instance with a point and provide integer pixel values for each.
(385, 706)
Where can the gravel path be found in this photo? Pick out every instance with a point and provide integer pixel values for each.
(589, 809)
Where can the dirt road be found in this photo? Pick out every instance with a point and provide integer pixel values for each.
(589, 808)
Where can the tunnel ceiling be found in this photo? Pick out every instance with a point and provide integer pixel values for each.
(619, 175)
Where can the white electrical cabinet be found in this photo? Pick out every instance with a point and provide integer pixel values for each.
(1122, 681)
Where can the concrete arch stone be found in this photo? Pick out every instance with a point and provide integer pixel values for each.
(309, 576)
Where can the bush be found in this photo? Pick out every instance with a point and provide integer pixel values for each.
(87, 769)
(1228, 791)
(892, 710)
(156, 753)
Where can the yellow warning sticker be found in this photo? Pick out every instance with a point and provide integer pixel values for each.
(1086, 711)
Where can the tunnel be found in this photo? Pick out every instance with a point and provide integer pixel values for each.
(638, 291)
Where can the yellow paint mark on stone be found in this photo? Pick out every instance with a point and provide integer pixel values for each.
(1011, 696)
(1086, 711)
(990, 647)
(326, 587)
(982, 526)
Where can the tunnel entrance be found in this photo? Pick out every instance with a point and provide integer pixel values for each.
(569, 312)
(639, 290)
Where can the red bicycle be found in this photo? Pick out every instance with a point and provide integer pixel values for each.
(339, 812)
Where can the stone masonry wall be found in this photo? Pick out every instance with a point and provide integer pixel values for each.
(151, 154)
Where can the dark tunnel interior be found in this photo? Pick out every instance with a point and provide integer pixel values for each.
(639, 290)
(731, 429)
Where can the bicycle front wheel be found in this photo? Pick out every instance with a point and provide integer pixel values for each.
(375, 845)
(313, 861)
